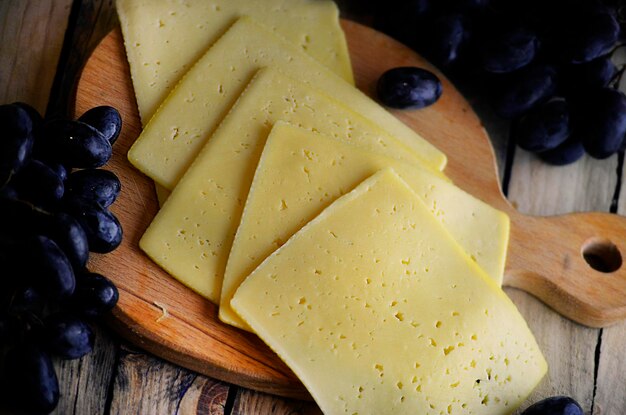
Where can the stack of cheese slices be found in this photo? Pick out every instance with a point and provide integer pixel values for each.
(315, 218)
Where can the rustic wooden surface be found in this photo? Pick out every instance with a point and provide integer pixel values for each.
(584, 363)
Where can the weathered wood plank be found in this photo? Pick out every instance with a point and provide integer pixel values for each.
(249, 402)
(147, 385)
(536, 188)
(32, 33)
(84, 382)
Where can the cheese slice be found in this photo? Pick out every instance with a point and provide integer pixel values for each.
(192, 234)
(300, 173)
(172, 139)
(378, 311)
(163, 38)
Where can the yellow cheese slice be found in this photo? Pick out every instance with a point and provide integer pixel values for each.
(192, 234)
(175, 135)
(300, 173)
(378, 311)
(163, 38)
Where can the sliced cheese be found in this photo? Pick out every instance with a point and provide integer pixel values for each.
(192, 234)
(300, 173)
(172, 139)
(163, 38)
(378, 311)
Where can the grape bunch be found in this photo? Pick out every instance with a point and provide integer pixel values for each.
(51, 218)
(546, 65)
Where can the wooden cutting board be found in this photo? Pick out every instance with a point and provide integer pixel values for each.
(546, 255)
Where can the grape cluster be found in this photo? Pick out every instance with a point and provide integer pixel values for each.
(51, 218)
(545, 64)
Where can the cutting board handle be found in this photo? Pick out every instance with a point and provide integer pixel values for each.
(572, 262)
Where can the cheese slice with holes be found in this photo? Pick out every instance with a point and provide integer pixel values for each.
(192, 234)
(163, 38)
(377, 310)
(175, 135)
(300, 173)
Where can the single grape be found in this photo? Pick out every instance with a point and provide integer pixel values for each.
(105, 119)
(51, 269)
(95, 295)
(67, 232)
(39, 184)
(67, 336)
(58, 168)
(525, 90)
(34, 115)
(568, 152)
(98, 185)
(544, 128)
(447, 38)
(589, 33)
(29, 381)
(509, 50)
(601, 122)
(408, 87)
(16, 142)
(555, 405)
(102, 228)
(76, 144)
(590, 75)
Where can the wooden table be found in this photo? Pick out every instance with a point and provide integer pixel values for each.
(44, 43)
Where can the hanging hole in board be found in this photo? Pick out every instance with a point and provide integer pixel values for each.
(602, 255)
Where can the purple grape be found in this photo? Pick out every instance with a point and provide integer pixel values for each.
(570, 151)
(51, 269)
(589, 33)
(447, 37)
(39, 184)
(16, 141)
(525, 90)
(509, 50)
(95, 295)
(103, 230)
(67, 232)
(105, 119)
(76, 144)
(601, 122)
(544, 128)
(67, 336)
(555, 405)
(408, 87)
(594, 74)
(29, 381)
(101, 186)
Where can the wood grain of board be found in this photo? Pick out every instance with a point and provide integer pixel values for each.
(165, 318)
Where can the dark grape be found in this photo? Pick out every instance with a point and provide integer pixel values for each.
(58, 168)
(39, 184)
(568, 152)
(29, 382)
(601, 122)
(544, 128)
(556, 405)
(67, 336)
(19, 220)
(103, 230)
(95, 295)
(589, 33)
(447, 37)
(101, 186)
(67, 232)
(595, 74)
(76, 144)
(16, 141)
(408, 87)
(105, 119)
(34, 115)
(525, 90)
(52, 270)
(509, 50)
